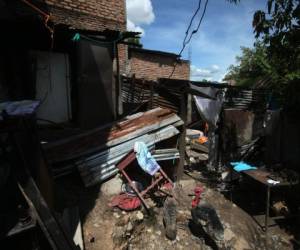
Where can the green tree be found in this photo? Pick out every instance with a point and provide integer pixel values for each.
(279, 29)
(276, 53)
(252, 66)
(135, 42)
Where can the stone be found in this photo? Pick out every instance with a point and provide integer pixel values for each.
(116, 215)
(181, 217)
(228, 235)
(123, 220)
(241, 243)
(139, 216)
(118, 234)
(90, 237)
(129, 227)
(112, 186)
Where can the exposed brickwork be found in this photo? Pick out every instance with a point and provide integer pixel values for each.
(154, 66)
(123, 58)
(89, 14)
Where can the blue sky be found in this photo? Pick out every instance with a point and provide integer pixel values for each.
(225, 28)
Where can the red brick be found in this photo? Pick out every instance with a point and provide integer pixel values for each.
(89, 14)
(155, 66)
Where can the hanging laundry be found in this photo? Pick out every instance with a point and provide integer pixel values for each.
(145, 159)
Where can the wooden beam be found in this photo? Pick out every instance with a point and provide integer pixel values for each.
(55, 234)
(182, 143)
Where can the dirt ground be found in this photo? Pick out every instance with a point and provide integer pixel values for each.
(107, 228)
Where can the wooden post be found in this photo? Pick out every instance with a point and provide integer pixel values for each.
(151, 95)
(189, 109)
(23, 145)
(53, 231)
(183, 116)
(118, 89)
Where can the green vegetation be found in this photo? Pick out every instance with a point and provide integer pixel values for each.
(276, 54)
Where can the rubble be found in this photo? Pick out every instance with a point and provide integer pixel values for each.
(96, 160)
(149, 232)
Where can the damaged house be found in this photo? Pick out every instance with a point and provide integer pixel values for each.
(109, 145)
(68, 49)
(67, 57)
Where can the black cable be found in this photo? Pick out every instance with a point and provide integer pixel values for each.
(200, 21)
(191, 22)
(191, 35)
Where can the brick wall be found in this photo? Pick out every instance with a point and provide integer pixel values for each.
(153, 66)
(89, 14)
(123, 58)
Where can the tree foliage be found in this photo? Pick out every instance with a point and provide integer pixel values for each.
(253, 65)
(276, 53)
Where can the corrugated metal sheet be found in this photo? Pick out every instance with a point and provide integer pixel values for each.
(109, 135)
(166, 93)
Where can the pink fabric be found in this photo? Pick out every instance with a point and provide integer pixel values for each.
(125, 202)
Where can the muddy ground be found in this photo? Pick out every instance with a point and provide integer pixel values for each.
(107, 228)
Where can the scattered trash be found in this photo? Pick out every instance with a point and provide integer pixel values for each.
(200, 145)
(280, 208)
(125, 202)
(193, 133)
(242, 166)
(270, 181)
(126, 188)
(198, 191)
(18, 108)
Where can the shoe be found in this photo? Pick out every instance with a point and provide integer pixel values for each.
(169, 218)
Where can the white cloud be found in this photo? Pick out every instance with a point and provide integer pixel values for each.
(215, 67)
(139, 12)
(132, 27)
(204, 73)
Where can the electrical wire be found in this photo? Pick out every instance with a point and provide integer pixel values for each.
(200, 21)
(186, 42)
(191, 22)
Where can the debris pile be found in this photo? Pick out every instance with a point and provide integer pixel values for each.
(95, 153)
(197, 148)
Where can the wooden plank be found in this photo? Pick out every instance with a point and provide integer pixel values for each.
(182, 142)
(199, 147)
(98, 129)
(52, 230)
